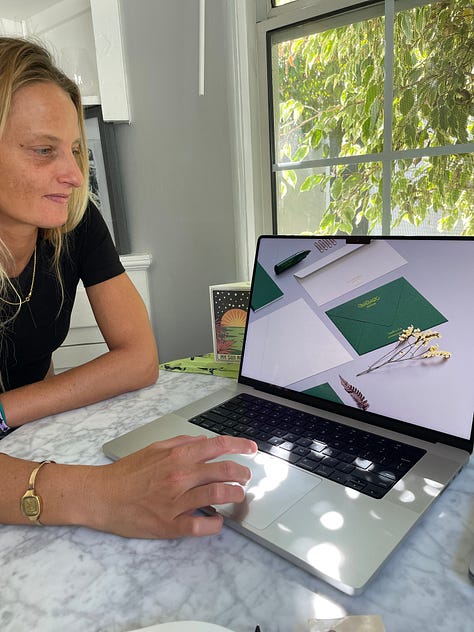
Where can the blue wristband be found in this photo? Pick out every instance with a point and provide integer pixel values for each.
(4, 427)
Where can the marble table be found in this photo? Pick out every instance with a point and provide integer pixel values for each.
(59, 579)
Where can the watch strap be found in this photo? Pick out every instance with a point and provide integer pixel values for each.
(31, 503)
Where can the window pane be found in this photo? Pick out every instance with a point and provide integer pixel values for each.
(328, 92)
(433, 80)
(328, 120)
(435, 195)
(343, 197)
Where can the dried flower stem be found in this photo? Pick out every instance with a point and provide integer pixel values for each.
(412, 345)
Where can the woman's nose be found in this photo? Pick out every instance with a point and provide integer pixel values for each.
(71, 172)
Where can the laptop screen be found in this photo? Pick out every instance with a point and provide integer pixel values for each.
(380, 327)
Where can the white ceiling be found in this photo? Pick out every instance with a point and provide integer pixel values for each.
(23, 9)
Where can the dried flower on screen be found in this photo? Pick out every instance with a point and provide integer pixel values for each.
(413, 344)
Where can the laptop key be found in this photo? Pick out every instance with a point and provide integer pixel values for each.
(298, 449)
(347, 468)
(275, 440)
(372, 478)
(307, 464)
(375, 491)
(345, 458)
(329, 451)
(219, 428)
(205, 423)
(315, 456)
(353, 484)
(362, 463)
(304, 441)
(241, 427)
(325, 471)
(284, 454)
(338, 477)
(329, 462)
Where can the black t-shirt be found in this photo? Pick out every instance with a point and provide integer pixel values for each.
(42, 324)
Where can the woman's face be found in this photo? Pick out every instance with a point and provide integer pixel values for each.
(38, 163)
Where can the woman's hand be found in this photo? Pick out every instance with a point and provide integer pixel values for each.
(154, 493)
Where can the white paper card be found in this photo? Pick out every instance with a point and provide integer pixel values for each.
(348, 272)
(306, 346)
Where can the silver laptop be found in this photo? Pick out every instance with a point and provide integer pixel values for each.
(356, 383)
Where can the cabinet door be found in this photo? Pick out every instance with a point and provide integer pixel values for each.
(110, 59)
(85, 39)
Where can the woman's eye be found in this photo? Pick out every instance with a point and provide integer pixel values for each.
(43, 151)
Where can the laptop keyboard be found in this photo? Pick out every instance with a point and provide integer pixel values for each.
(361, 460)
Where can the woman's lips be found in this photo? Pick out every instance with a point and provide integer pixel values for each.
(57, 198)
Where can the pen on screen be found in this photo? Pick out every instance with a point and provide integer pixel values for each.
(290, 261)
(257, 629)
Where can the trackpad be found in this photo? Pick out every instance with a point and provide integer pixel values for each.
(275, 486)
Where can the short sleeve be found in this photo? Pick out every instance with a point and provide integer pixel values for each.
(97, 258)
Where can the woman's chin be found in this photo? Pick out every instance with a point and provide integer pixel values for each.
(53, 220)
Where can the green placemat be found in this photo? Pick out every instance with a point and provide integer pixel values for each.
(205, 364)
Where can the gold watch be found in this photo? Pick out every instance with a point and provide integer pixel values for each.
(31, 503)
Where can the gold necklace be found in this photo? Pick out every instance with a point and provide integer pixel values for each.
(21, 301)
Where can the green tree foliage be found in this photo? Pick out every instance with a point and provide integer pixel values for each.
(331, 91)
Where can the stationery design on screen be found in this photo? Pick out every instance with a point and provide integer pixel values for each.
(377, 318)
(265, 291)
(348, 268)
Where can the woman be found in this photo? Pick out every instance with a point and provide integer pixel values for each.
(49, 239)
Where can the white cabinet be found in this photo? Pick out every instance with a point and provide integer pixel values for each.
(84, 341)
(86, 40)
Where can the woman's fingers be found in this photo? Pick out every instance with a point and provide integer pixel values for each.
(191, 525)
(206, 449)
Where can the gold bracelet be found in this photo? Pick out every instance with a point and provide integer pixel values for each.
(31, 503)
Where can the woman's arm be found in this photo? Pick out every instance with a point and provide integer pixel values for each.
(152, 493)
(131, 362)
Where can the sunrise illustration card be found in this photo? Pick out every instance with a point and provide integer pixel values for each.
(229, 306)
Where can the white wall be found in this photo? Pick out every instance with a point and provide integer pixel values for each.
(176, 165)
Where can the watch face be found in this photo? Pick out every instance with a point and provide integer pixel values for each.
(30, 506)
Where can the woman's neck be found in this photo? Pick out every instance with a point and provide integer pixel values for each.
(21, 248)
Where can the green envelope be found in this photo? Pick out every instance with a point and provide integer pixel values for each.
(377, 318)
(265, 290)
(325, 391)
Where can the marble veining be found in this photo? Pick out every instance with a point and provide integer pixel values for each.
(54, 579)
